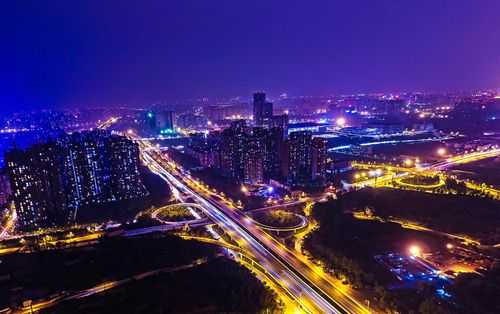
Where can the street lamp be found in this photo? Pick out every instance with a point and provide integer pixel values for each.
(408, 162)
(441, 151)
(415, 250)
(341, 122)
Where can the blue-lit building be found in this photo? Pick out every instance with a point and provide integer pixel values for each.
(52, 181)
(165, 121)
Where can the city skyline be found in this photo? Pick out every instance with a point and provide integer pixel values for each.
(250, 157)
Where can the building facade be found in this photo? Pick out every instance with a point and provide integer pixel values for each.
(52, 181)
(306, 159)
(262, 110)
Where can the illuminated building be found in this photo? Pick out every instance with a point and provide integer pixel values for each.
(300, 158)
(319, 146)
(165, 121)
(253, 158)
(37, 187)
(306, 159)
(231, 150)
(262, 110)
(274, 153)
(52, 181)
(203, 148)
(5, 190)
(190, 120)
(280, 121)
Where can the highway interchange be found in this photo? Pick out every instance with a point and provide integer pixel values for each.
(310, 287)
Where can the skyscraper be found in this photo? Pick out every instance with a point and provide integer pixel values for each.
(5, 190)
(306, 159)
(300, 158)
(231, 150)
(38, 191)
(254, 152)
(262, 110)
(165, 121)
(52, 181)
(274, 153)
(280, 121)
(319, 152)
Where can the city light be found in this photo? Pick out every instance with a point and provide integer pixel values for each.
(132, 169)
(415, 250)
(341, 122)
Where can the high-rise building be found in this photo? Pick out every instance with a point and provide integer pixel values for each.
(273, 140)
(5, 190)
(231, 150)
(306, 159)
(165, 121)
(253, 158)
(300, 157)
(38, 191)
(280, 121)
(319, 152)
(52, 181)
(189, 120)
(123, 158)
(262, 110)
(85, 170)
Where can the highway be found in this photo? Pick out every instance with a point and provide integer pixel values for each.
(165, 227)
(109, 122)
(465, 158)
(198, 222)
(309, 286)
(438, 166)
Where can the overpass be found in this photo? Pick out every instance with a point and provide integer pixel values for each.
(309, 287)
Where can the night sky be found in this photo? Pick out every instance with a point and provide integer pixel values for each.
(70, 52)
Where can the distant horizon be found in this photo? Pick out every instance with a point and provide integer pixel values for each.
(64, 53)
(248, 98)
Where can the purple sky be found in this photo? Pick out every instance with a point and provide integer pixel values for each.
(128, 51)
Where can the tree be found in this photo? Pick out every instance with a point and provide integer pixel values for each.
(432, 306)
